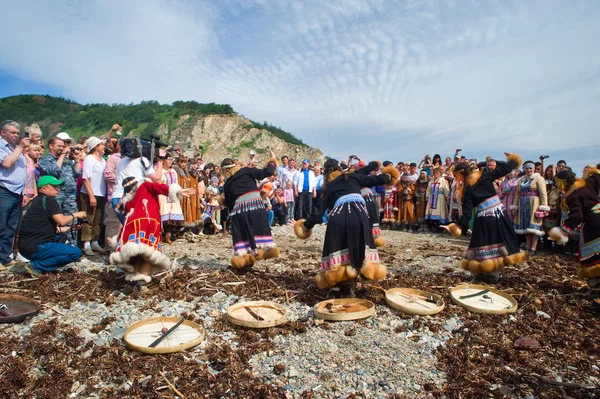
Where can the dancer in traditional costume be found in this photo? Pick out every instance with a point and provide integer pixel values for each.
(389, 205)
(530, 205)
(437, 206)
(494, 243)
(583, 200)
(189, 206)
(171, 213)
(456, 191)
(349, 247)
(507, 189)
(138, 250)
(369, 198)
(420, 196)
(406, 207)
(250, 230)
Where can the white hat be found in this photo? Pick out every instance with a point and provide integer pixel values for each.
(64, 136)
(92, 142)
(252, 152)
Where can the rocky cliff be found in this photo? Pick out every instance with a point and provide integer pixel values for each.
(231, 135)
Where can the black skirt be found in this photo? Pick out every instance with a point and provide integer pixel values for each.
(493, 234)
(249, 225)
(349, 238)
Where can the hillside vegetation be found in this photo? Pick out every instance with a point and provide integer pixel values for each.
(55, 114)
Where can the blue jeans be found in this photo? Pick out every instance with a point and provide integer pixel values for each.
(270, 217)
(115, 203)
(52, 255)
(10, 209)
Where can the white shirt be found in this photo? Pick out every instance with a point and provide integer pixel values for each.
(93, 170)
(130, 167)
(299, 181)
(412, 178)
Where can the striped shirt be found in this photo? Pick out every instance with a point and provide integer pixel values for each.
(13, 178)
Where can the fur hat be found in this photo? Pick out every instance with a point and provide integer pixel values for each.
(129, 184)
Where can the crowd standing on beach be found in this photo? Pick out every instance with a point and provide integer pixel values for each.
(91, 195)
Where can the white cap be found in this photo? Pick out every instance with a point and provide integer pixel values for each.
(63, 136)
(252, 152)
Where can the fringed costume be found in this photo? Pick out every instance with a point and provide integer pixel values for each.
(421, 199)
(437, 207)
(493, 243)
(140, 236)
(530, 201)
(583, 199)
(349, 247)
(250, 230)
(406, 207)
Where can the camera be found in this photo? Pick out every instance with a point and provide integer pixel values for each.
(154, 138)
(544, 156)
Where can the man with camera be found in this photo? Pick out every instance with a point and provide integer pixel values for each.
(13, 174)
(62, 162)
(40, 238)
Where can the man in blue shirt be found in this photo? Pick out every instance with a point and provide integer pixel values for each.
(305, 189)
(13, 175)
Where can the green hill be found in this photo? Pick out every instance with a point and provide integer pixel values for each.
(55, 114)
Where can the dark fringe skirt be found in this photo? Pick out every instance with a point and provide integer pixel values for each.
(349, 238)
(371, 206)
(249, 225)
(493, 234)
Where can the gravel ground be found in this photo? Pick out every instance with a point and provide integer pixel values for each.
(389, 355)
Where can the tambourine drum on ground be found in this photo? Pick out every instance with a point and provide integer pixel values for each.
(256, 314)
(17, 308)
(483, 299)
(414, 301)
(139, 336)
(341, 309)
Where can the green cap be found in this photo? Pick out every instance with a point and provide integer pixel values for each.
(49, 180)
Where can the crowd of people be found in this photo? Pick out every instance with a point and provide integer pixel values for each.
(96, 194)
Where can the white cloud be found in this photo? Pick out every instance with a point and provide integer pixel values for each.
(415, 76)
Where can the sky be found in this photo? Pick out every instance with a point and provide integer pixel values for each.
(384, 79)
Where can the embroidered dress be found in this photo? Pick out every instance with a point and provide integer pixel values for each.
(389, 205)
(141, 231)
(249, 224)
(341, 245)
(421, 199)
(437, 208)
(349, 235)
(170, 210)
(584, 211)
(493, 238)
(507, 191)
(530, 197)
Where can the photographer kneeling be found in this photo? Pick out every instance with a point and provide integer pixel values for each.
(38, 234)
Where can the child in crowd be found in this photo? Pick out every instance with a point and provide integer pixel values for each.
(288, 196)
(209, 220)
